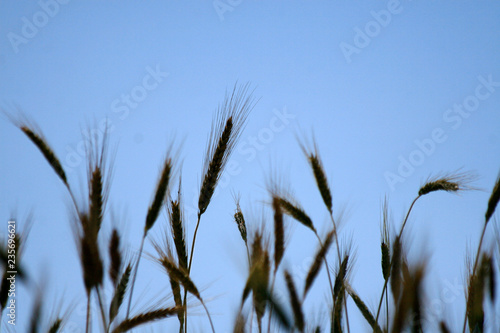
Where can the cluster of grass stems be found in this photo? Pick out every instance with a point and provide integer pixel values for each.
(403, 282)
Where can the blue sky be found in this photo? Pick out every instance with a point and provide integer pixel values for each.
(394, 91)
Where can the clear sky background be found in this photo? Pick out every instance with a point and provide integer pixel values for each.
(394, 92)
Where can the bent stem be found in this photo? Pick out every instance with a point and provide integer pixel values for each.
(209, 318)
(135, 275)
(475, 267)
(400, 233)
(189, 271)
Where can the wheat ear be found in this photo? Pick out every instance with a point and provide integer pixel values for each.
(364, 311)
(295, 302)
(115, 256)
(145, 318)
(119, 293)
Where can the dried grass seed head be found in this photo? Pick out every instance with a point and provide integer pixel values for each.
(449, 183)
(493, 201)
(227, 126)
(312, 154)
(33, 132)
(115, 256)
(239, 218)
(318, 260)
(119, 293)
(279, 233)
(178, 231)
(98, 175)
(161, 191)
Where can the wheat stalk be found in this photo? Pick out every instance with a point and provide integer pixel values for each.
(227, 127)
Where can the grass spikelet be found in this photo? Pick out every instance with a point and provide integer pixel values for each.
(384, 246)
(448, 183)
(279, 233)
(295, 302)
(475, 295)
(258, 277)
(179, 275)
(119, 294)
(409, 300)
(491, 279)
(160, 194)
(396, 269)
(89, 254)
(365, 311)
(260, 289)
(55, 326)
(493, 201)
(146, 317)
(340, 278)
(97, 177)
(115, 256)
(240, 222)
(318, 170)
(316, 265)
(226, 128)
(165, 253)
(177, 229)
(176, 291)
(337, 312)
(386, 260)
(296, 212)
(38, 139)
(96, 197)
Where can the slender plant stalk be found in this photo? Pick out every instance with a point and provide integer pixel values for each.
(101, 307)
(87, 321)
(189, 270)
(136, 268)
(400, 233)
